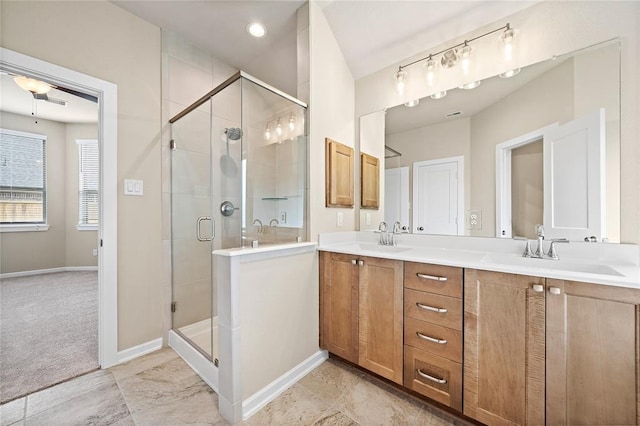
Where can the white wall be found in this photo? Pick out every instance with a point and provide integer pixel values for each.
(331, 112)
(549, 28)
(102, 40)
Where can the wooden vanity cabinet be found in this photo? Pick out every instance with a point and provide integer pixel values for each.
(361, 311)
(433, 332)
(593, 333)
(504, 348)
(339, 304)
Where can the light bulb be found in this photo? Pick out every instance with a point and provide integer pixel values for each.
(267, 132)
(470, 86)
(439, 95)
(279, 128)
(431, 71)
(507, 39)
(32, 85)
(401, 76)
(292, 123)
(465, 62)
(510, 73)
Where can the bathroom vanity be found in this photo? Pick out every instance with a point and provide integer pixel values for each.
(472, 325)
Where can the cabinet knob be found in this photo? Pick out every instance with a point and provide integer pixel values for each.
(360, 262)
(353, 261)
(554, 290)
(538, 288)
(420, 228)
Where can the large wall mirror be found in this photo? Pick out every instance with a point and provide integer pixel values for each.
(541, 146)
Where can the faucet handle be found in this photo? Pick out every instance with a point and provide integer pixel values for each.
(539, 230)
(552, 254)
(382, 227)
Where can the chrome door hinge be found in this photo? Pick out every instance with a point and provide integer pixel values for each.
(173, 306)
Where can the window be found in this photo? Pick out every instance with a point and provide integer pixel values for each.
(88, 184)
(23, 195)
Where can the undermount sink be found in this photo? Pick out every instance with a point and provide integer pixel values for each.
(556, 265)
(381, 248)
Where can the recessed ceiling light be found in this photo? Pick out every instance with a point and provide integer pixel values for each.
(412, 103)
(256, 29)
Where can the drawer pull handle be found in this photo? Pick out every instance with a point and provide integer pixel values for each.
(431, 277)
(431, 339)
(431, 308)
(430, 377)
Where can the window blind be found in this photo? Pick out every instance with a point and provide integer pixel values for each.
(22, 177)
(88, 182)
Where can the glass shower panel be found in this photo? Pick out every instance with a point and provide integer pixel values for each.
(274, 165)
(191, 227)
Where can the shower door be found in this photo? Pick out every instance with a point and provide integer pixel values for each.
(205, 177)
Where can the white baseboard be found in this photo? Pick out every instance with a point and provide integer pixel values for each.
(198, 362)
(136, 351)
(255, 402)
(48, 271)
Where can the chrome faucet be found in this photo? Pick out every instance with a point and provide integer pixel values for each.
(539, 253)
(259, 222)
(384, 235)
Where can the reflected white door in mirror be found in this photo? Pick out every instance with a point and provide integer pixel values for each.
(573, 170)
(438, 196)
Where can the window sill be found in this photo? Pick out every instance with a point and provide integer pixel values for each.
(87, 227)
(27, 227)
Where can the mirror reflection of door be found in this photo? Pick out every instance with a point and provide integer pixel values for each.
(438, 196)
(396, 196)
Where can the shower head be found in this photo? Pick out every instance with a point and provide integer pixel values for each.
(233, 133)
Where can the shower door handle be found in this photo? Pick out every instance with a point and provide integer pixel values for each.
(213, 228)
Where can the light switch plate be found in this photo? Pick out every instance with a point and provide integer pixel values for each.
(133, 187)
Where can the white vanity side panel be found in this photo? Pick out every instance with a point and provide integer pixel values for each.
(279, 305)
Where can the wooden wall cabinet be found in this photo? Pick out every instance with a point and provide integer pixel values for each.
(504, 348)
(369, 181)
(338, 174)
(361, 311)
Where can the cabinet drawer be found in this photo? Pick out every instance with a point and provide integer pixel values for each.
(433, 308)
(445, 280)
(433, 338)
(432, 376)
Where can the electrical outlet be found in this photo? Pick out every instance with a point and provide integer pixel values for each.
(475, 220)
(283, 217)
(339, 219)
(367, 219)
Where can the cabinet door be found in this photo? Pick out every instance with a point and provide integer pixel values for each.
(592, 354)
(504, 348)
(339, 305)
(380, 317)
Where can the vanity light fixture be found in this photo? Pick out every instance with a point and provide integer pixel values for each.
(451, 56)
(256, 29)
(412, 103)
(439, 95)
(470, 86)
(32, 85)
(510, 73)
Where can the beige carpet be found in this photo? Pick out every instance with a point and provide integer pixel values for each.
(48, 330)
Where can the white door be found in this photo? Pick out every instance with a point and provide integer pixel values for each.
(438, 196)
(396, 196)
(574, 173)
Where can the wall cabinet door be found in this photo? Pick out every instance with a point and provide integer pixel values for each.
(380, 317)
(339, 304)
(504, 348)
(592, 354)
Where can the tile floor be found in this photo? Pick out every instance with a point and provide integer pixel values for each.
(160, 389)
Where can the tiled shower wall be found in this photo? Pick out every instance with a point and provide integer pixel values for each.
(188, 72)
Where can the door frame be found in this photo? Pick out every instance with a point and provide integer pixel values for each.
(460, 164)
(503, 177)
(106, 93)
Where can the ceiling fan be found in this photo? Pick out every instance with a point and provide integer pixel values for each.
(39, 89)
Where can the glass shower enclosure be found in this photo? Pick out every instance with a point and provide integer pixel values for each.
(238, 180)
